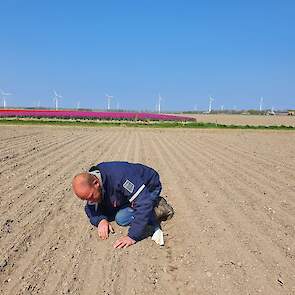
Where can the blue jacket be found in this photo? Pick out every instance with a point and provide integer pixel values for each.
(125, 184)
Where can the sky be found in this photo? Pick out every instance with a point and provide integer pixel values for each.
(235, 51)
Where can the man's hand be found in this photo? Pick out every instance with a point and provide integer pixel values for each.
(104, 227)
(124, 242)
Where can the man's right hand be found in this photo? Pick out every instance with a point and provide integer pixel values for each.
(104, 227)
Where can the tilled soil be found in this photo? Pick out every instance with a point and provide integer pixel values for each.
(232, 190)
(253, 120)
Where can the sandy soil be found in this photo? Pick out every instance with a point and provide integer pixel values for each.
(246, 119)
(233, 231)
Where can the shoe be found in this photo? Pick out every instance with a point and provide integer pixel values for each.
(158, 237)
(163, 210)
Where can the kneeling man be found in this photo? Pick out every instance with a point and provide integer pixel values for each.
(126, 192)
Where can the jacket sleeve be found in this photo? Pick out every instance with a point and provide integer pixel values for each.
(94, 214)
(143, 209)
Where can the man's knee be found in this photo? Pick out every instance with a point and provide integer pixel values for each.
(124, 216)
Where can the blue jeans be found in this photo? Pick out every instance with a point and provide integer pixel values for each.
(126, 215)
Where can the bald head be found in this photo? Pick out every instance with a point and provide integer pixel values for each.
(86, 186)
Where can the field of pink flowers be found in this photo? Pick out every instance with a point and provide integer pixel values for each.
(70, 114)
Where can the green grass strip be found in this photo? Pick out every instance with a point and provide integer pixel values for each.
(142, 124)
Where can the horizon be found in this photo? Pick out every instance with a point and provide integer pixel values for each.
(184, 51)
(200, 111)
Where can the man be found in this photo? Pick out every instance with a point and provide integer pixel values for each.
(126, 192)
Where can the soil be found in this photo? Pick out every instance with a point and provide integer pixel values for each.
(233, 231)
(254, 120)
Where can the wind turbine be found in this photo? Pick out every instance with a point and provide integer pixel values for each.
(210, 104)
(159, 103)
(78, 105)
(37, 104)
(260, 104)
(109, 97)
(56, 98)
(3, 94)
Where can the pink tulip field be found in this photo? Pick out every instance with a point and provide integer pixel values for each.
(71, 114)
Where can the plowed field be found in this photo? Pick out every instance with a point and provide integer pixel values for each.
(233, 231)
(253, 120)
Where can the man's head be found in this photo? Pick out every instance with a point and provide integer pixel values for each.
(86, 186)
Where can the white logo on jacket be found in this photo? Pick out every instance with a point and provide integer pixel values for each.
(129, 186)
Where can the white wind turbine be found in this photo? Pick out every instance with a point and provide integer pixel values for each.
(56, 99)
(210, 104)
(4, 94)
(159, 103)
(37, 104)
(78, 105)
(109, 97)
(260, 104)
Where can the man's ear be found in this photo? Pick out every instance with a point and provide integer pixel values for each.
(96, 182)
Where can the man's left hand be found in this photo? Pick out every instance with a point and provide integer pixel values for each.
(124, 242)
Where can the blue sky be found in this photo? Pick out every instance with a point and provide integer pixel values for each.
(235, 51)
